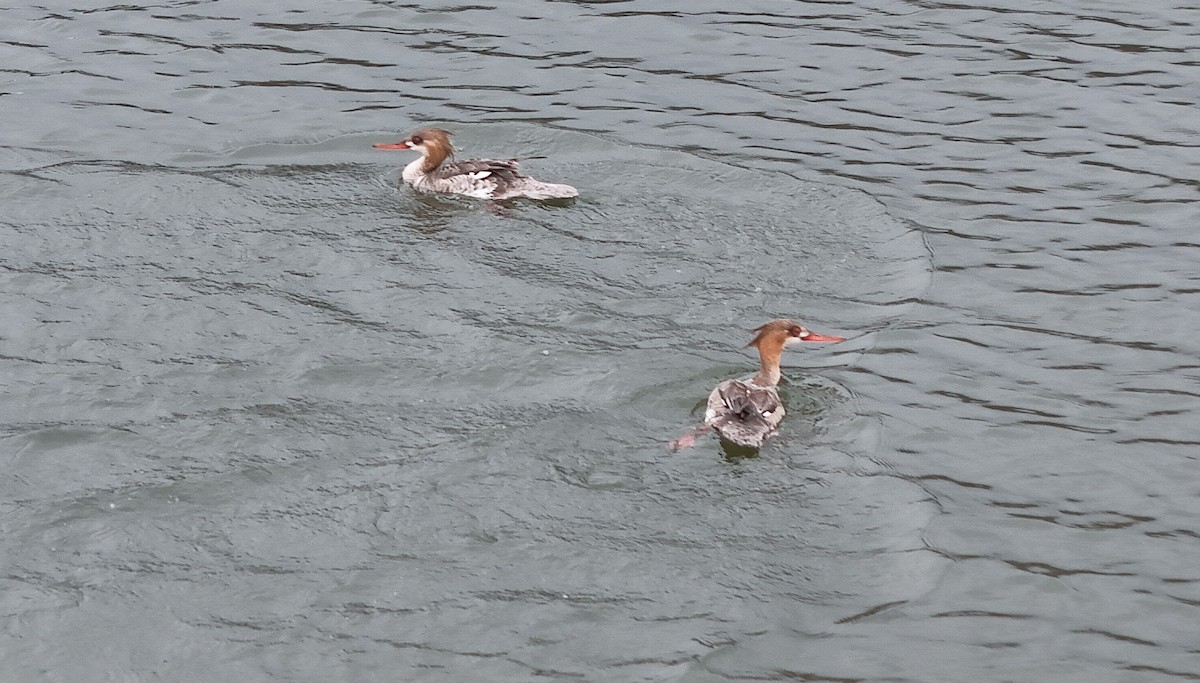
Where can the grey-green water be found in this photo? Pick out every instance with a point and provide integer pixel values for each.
(267, 417)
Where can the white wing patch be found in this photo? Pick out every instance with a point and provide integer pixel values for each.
(478, 175)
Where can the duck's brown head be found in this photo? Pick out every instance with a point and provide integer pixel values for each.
(432, 143)
(782, 332)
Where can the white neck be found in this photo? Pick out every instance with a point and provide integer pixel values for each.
(412, 172)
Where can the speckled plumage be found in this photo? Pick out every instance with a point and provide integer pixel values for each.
(481, 178)
(744, 412)
(747, 411)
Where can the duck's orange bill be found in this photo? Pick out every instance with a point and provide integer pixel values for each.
(403, 144)
(814, 337)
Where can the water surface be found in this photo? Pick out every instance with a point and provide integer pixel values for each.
(268, 417)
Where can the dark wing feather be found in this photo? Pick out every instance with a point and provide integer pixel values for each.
(502, 171)
(748, 403)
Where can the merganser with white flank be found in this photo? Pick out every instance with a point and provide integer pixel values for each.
(481, 178)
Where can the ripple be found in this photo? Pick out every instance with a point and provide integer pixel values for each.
(253, 380)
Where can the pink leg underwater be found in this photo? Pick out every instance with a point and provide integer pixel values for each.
(689, 439)
(685, 441)
(493, 206)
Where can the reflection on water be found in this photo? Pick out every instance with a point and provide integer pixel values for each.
(274, 417)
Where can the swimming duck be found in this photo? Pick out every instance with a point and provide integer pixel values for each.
(746, 411)
(482, 178)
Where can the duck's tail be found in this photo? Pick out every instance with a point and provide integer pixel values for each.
(536, 189)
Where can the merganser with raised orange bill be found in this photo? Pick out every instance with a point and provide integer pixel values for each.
(746, 411)
(481, 178)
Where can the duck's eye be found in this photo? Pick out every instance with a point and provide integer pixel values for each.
(416, 140)
(798, 332)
